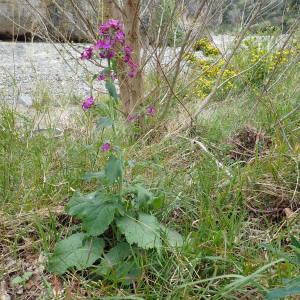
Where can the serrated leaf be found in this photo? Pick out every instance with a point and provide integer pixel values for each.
(104, 122)
(115, 256)
(113, 169)
(78, 201)
(75, 251)
(96, 214)
(145, 232)
(111, 88)
(173, 238)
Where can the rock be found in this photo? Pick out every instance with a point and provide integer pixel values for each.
(25, 100)
(58, 19)
(16, 19)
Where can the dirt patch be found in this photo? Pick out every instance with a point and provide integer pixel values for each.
(247, 143)
(270, 199)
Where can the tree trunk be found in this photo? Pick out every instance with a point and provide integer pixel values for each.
(132, 29)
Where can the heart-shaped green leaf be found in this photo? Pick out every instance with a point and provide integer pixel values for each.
(96, 213)
(76, 251)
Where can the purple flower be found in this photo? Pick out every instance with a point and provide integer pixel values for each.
(115, 24)
(132, 73)
(104, 28)
(128, 50)
(87, 53)
(101, 77)
(151, 111)
(120, 37)
(110, 24)
(112, 35)
(106, 43)
(110, 54)
(127, 59)
(106, 147)
(133, 68)
(107, 54)
(132, 118)
(88, 103)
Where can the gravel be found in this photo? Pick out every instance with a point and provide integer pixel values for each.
(27, 69)
(31, 72)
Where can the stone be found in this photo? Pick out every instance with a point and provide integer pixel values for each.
(39, 18)
(16, 19)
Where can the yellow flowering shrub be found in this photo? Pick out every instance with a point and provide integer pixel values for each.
(211, 70)
(254, 56)
(206, 47)
(260, 60)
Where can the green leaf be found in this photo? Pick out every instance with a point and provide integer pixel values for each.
(75, 251)
(114, 65)
(292, 288)
(113, 258)
(78, 201)
(295, 242)
(127, 272)
(104, 122)
(157, 202)
(296, 247)
(143, 195)
(113, 169)
(95, 76)
(173, 238)
(96, 214)
(111, 88)
(145, 232)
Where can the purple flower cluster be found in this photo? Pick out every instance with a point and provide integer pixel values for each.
(106, 147)
(151, 111)
(110, 45)
(87, 53)
(88, 103)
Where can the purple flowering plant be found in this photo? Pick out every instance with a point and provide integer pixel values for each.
(110, 46)
(119, 204)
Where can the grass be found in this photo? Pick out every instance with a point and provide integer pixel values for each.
(234, 242)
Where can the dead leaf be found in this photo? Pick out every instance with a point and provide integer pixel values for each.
(289, 213)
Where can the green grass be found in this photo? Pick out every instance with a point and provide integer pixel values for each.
(230, 251)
